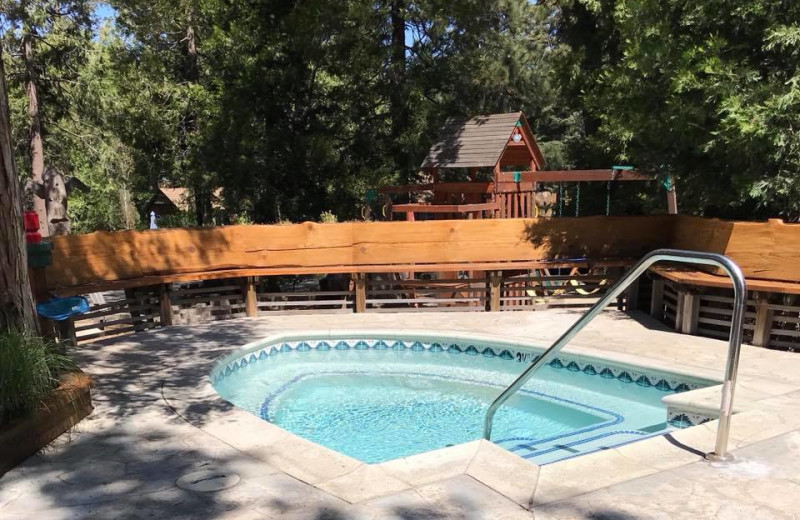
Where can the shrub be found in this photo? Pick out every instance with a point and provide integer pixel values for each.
(30, 367)
(328, 217)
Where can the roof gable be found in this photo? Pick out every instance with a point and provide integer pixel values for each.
(477, 142)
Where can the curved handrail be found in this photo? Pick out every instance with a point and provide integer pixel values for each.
(659, 255)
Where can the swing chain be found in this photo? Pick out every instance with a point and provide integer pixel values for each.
(608, 198)
(578, 201)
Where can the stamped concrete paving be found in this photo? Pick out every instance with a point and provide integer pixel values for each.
(123, 460)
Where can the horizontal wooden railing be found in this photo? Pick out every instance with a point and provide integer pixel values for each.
(187, 275)
(128, 256)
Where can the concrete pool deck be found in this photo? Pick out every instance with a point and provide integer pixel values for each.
(124, 459)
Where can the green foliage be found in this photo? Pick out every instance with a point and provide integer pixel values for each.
(705, 91)
(327, 217)
(29, 371)
(298, 108)
(181, 219)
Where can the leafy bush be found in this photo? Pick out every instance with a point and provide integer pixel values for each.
(29, 370)
(328, 217)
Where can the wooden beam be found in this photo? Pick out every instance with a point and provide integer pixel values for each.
(657, 299)
(66, 332)
(443, 208)
(763, 325)
(689, 276)
(422, 267)
(164, 305)
(577, 176)
(495, 289)
(632, 296)
(152, 257)
(687, 313)
(250, 297)
(672, 198)
(360, 283)
(442, 187)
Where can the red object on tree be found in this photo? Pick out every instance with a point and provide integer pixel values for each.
(31, 220)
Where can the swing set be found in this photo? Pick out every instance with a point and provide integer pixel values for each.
(501, 146)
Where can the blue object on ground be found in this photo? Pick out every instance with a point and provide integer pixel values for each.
(60, 309)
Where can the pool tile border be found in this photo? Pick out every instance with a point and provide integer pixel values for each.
(269, 349)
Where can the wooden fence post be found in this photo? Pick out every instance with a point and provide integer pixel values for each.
(632, 296)
(165, 305)
(687, 313)
(66, 332)
(763, 326)
(360, 280)
(657, 299)
(495, 288)
(250, 297)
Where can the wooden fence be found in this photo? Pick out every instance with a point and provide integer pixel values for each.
(192, 275)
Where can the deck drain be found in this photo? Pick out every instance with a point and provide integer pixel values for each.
(207, 480)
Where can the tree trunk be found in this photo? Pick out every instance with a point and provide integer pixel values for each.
(16, 301)
(201, 197)
(35, 132)
(397, 96)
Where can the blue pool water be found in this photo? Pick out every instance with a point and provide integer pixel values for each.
(385, 400)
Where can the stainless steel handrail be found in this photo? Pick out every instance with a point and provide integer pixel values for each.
(659, 255)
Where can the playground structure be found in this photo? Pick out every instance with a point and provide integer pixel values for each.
(504, 175)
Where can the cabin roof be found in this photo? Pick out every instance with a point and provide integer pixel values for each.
(166, 201)
(476, 142)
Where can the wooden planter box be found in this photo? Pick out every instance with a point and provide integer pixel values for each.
(25, 436)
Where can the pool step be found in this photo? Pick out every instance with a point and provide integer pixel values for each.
(568, 446)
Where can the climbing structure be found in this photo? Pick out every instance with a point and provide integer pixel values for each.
(504, 176)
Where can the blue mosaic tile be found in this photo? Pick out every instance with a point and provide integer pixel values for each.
(607, 374)
(663, 385)
(680, 421)
(625, 377)
(568, 362)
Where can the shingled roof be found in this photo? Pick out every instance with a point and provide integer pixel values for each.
(474, 143)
